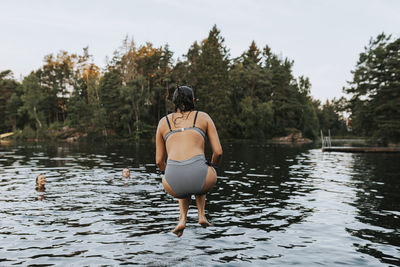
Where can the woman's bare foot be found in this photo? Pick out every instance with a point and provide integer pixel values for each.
(183, 210)
(203, 221)
(180, 227)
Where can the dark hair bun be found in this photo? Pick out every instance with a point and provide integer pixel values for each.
(183, 98)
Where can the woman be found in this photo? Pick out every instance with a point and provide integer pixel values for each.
(40, 182)
(181, 135)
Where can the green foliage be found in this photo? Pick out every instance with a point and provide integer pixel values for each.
(252, 96)
(310, 122)
(109, 98)
(330, 118)
(28, 133)
(13, 105)
(255, 119)
(212, 89)
(33, 99)
(79, 112)
(375, 90)
(8, 110)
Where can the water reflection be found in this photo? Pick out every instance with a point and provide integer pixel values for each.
(258, 188)
(377, 180)
(274, 205)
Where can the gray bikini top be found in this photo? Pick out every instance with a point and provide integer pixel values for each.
(200, 131)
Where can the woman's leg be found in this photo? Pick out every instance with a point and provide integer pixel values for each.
(183, 209)
(211, 179)
(201, 203)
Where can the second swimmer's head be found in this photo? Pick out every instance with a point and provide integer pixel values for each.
(126, 173)
(183, 99)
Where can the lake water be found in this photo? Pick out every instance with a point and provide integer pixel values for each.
(272, 205)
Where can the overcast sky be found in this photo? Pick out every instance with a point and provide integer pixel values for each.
(324, 37)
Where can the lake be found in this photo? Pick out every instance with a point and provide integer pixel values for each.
(274, 205)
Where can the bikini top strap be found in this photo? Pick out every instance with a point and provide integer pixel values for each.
(195, 118)
(169, 125)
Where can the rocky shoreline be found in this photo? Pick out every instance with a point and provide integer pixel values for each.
(295, 137)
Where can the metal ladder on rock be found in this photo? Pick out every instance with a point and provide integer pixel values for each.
(326, 141)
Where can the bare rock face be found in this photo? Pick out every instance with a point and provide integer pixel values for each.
(295, 136)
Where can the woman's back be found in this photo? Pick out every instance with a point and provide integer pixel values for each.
(181, 135)
(186, 143)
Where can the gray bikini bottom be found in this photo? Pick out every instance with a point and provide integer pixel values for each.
(187, 177)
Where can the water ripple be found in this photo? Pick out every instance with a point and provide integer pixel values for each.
(274, 205)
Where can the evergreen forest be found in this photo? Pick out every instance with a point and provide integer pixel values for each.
(375, 90)
(253, 96)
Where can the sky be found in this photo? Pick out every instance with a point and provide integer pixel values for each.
(323, 37)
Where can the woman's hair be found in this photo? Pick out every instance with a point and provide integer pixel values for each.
(183, 99)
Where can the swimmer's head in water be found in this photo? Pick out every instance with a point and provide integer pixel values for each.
(183, 99)
(126, 173)
(40, 181)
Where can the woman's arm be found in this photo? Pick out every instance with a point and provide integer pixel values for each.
(214, 141)
(160, 149)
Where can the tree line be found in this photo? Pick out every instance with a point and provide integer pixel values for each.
(252, 96)
(375, 90)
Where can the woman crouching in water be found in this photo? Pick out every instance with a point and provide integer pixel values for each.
(181, 135)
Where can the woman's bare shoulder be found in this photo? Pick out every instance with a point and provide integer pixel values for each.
(204, 115)
(163, 121)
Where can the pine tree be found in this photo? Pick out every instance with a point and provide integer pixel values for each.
(250, 99)
(33, 100)
(284, 93)
(8, 90)
(213, 83)
(375, 90)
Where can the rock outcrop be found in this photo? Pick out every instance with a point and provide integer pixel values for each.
(295, 136)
